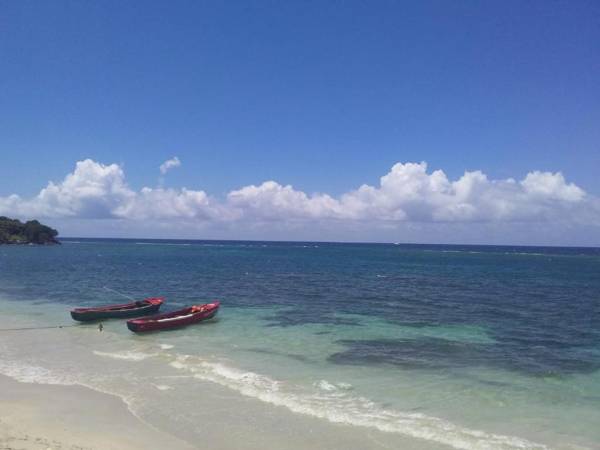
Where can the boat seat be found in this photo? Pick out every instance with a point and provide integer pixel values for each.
(168, 319)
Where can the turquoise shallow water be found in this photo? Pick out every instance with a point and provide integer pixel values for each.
(416, 346)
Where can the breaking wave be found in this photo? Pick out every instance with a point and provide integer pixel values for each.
(166, 346)
(334, 402)
(127, 355)
(34, 374)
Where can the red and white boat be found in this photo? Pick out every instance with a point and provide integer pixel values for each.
(183, 317)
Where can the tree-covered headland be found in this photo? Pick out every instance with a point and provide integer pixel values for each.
(13, 231)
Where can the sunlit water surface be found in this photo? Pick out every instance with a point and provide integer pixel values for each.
(401, 346)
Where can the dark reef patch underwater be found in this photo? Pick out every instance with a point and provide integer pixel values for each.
(435, 354)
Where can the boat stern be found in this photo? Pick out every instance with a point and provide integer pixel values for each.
(156, 300)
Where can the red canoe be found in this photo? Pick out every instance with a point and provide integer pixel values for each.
(175, 319)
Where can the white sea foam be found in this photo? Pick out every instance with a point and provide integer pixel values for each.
(33, 374)
(332, 387)
(162, 387)
(166, 346)
(126, 355)
(343, 407)
(325, 385)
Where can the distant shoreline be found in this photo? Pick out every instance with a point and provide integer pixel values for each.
(37, 244)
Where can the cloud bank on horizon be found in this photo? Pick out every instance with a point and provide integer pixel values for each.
(407, 194)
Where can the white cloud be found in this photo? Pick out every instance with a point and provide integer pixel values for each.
(92, 190)
(272, 201)
(552, 186)
(407, 194)
(161, 204)
(169, 164)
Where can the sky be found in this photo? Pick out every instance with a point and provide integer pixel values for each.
(433, 121)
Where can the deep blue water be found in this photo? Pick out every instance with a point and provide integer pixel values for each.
(540, 305)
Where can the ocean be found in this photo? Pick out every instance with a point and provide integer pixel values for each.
(326, 345)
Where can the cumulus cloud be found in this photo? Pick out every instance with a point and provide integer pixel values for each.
(92, 190)
(272, 201)
(169, 164)
(97, 191)
(161, 204)
(407, 194)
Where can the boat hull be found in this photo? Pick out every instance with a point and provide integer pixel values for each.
(176, 319)
(138, 309)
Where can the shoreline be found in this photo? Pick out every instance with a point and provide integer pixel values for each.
(37, 416)
(58, 417)
(45, 405)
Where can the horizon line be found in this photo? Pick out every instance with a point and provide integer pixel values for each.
(329, 242)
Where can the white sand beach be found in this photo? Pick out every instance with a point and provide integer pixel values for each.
(56, 417)
(42, 417)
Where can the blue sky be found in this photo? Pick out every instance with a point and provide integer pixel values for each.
(324, 96)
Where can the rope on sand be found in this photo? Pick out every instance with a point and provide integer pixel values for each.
(37, 328)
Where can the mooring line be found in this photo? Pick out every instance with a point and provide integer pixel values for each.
(117, 292)
(37, 328)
